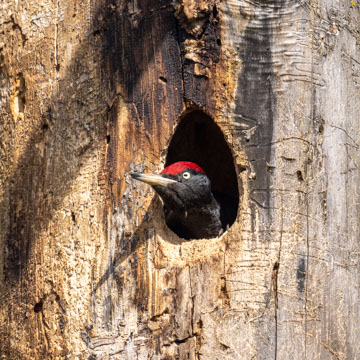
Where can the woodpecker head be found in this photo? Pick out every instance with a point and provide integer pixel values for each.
(182, 186)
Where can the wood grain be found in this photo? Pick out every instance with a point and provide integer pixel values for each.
(90, 91)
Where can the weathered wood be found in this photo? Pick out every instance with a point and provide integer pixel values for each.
(91, 91)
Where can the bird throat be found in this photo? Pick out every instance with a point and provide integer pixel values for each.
(195, 223)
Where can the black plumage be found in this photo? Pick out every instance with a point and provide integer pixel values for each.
(191, 210)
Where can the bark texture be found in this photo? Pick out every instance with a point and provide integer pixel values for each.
(90, 90)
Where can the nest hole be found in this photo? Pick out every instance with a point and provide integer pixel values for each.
(199, 139)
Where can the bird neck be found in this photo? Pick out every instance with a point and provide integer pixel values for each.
(196, 222)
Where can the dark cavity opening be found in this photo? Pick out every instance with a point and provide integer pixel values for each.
(199, 139)
(38, 306)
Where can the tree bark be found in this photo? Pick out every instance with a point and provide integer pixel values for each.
(90, 91)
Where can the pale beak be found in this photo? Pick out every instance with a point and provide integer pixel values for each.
(153, 179)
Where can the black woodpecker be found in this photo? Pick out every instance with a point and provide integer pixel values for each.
(191, 209)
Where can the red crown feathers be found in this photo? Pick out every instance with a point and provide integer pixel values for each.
(180, 166)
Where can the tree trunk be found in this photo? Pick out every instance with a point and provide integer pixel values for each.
(265, 94)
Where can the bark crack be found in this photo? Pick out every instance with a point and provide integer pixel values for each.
(275, 275)
(193, 334)
(312, 117)
(57, 65)
(347, 134)
(224, 293)
(192, 303)
(331, 351)
(184, 340)
(306, 267)
(17, 27)
(181, 59)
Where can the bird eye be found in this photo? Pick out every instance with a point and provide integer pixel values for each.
(186, 175)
